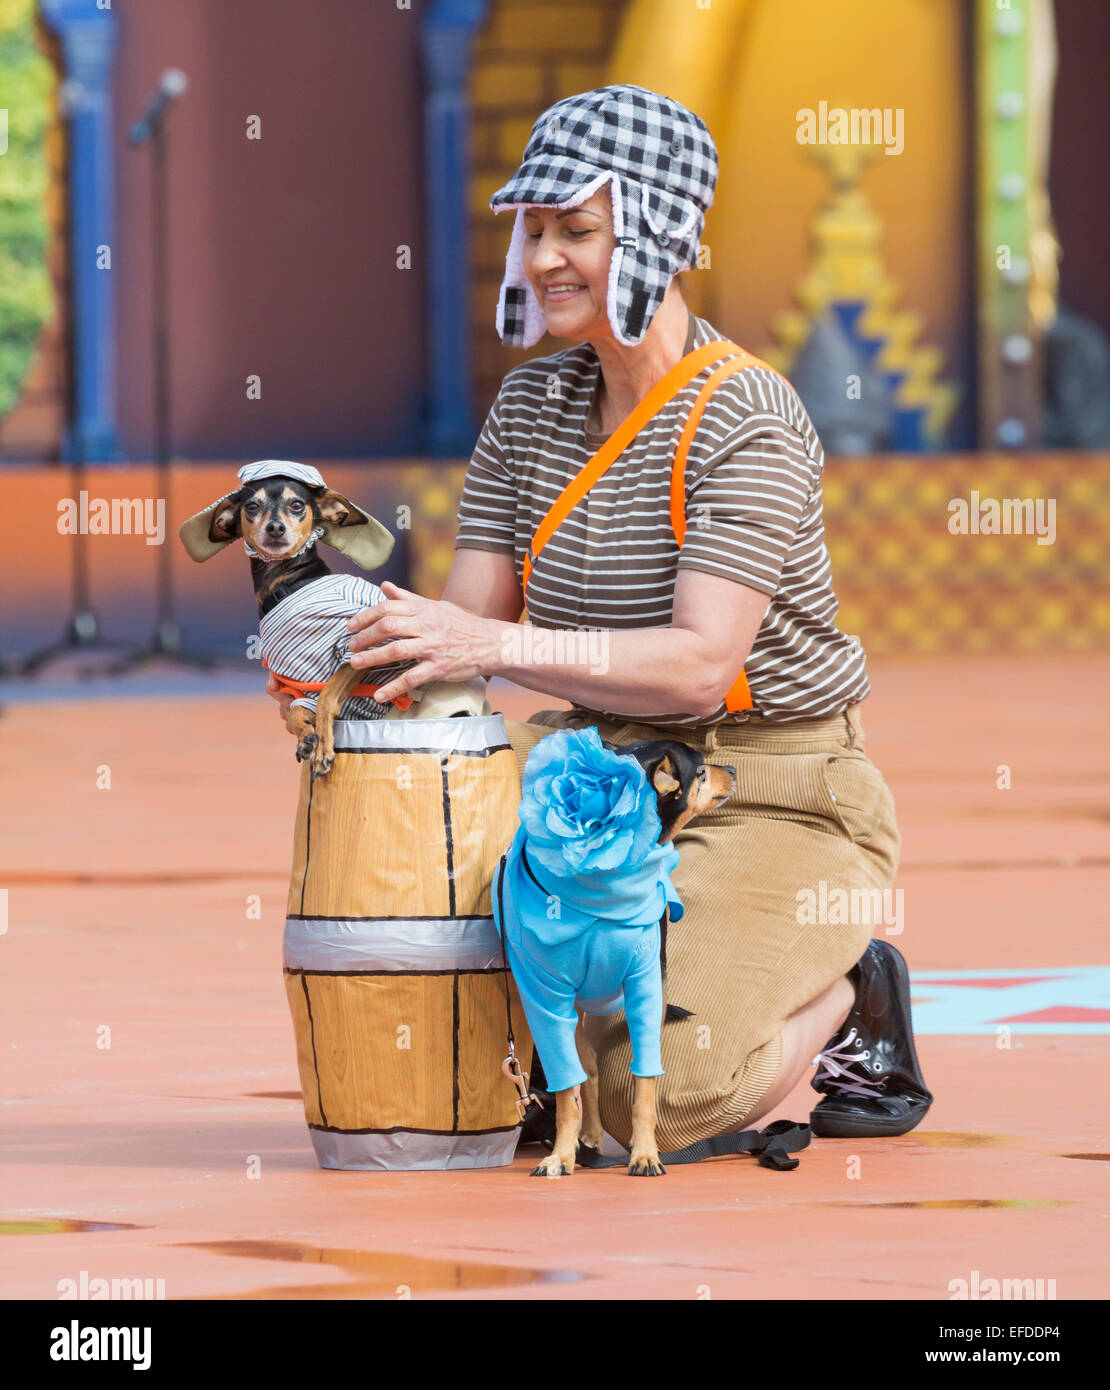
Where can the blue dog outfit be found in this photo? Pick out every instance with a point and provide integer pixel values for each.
(589, 943)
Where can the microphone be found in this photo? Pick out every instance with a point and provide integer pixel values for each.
(173, 82)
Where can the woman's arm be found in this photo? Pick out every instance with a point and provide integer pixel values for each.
(485, 582)
(686, 668)
(682, 669)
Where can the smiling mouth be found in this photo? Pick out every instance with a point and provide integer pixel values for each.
(562, 291)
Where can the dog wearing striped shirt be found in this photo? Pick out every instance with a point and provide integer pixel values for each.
(280, 512)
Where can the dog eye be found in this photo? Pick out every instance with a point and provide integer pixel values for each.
(251, 508)
(297, 507)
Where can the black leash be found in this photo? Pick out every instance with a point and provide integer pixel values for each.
(511, 1067)
(772, 1147)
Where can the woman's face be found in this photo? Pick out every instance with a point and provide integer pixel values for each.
(567, 252)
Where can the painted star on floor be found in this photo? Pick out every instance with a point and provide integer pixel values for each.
(1053, 1000)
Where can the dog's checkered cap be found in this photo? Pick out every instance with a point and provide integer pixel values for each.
(660, 163)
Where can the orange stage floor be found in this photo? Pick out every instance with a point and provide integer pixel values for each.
(127, 911)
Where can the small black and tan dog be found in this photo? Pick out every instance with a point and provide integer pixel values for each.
(685, 786)
(281, 510)
(277, 517)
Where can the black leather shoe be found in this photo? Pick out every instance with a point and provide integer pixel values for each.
(869, 1071)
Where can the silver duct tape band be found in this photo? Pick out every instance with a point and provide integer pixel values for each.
(406, 1149)
(476, 733)
(446, 943)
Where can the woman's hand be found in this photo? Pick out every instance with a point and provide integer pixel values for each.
(284, 699)
(448, 642)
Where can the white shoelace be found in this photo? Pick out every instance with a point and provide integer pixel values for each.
(835, 1065)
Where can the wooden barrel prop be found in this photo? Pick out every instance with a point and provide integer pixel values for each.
(393, 964)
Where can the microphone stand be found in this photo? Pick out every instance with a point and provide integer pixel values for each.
(82, 633)
(165, 643)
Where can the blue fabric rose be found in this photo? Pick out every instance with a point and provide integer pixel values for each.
(586, 809)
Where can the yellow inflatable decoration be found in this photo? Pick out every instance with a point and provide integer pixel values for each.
(752, 70)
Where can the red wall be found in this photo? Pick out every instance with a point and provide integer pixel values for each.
(283, 249)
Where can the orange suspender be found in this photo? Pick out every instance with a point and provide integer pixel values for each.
(679, 375)
(738, 697)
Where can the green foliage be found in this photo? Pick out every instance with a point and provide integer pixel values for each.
(26, 293)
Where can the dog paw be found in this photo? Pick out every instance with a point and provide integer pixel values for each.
(645, 1166)
(322, 762)
(306, 747)
(553, 1166)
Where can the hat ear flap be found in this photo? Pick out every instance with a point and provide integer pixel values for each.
(646, 258)
(520, 320)
(352, 531)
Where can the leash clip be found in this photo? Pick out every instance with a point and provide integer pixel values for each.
(512, 1070)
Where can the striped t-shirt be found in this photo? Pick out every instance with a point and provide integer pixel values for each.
(305, 637)
(753, 514)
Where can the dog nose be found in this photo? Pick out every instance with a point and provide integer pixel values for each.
(275, 528)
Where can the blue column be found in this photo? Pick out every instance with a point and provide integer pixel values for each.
(88, 37)
(446, 39)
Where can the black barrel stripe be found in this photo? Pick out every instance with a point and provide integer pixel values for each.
(315, 1062)
(367, 974)
(410, 1129)
(307, 837)
(378, 917)
(433, 752)
(448, 838)
(455, 1057)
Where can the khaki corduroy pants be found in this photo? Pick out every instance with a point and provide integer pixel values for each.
(810, 809)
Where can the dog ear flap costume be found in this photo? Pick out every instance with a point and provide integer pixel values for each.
(344, 526)
(661, 166)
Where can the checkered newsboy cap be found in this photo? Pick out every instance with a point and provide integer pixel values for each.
(661, 166)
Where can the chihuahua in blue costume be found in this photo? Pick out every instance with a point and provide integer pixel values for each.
(582, 898)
